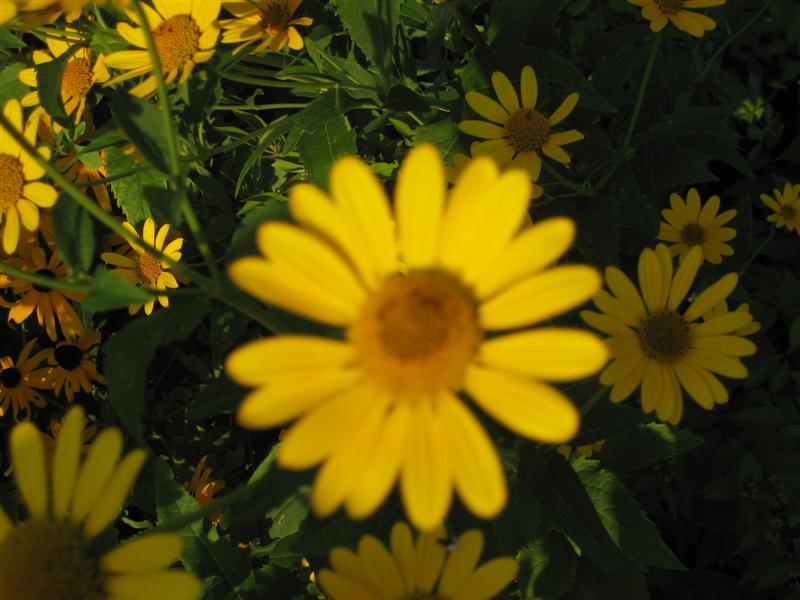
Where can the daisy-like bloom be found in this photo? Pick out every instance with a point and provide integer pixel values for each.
(660, 346)
(722, 309)
(421, 569)
(661, 12)
(52, 306)
(21, 194)
(462, 160)
(185, 35)
(80, 173)
(518, 133)
(786, 205)
(139, 267)
(51, 555)
(203, 489)
(691, 224)
(80, 74)
(268, 22)
(72, 367)
(19, 380)
(584, 451)
(418, 301)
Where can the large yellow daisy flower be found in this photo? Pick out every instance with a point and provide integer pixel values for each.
(786, 205)
(50, 555)
(422, 569)
(21, 195)
(19, 380)
(139, 267)
(661, 12)
(657, 345)
(518, 132)
(693, 224)
(418, 302)
(72, 368)
(266, 21)
(185, 34)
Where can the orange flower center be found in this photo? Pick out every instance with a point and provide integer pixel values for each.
(12, 181)
(664, 337)
(417, 333)
(47, 559)
(788, 212)
(527, 130)
(274, 18)
(693, 234)
(670, 7)
(148, 268)
(177, 39)
(77, 78)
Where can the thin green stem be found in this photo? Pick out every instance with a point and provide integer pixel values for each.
(758, 250)
(261, 106)
(594, 399)
(40, 280)
(648, 71)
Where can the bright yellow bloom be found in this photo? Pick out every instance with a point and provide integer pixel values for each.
(203, 489)
(421, 569)
(21, 194)
(657, 345)
(50, 555)
(10, 9)
(418, 289)
(268, 22)
(786, 205)
(19, 380)
(518, 132)
(462, 160)
(71, 366)
(139, 267)
(185, 35)
(661, 12)
(691, 224)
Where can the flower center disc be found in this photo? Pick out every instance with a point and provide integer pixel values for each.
(274, 18)
(418, 332)
(45, 559)
(148, 268)
(12, 181)
(177, 39)
(68, 357)
(670, 7)
(77, 78)
(527, 130)
(693, 234)
(10, 377)
(788, 212)
(664, 337)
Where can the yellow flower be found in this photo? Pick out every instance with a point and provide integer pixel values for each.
(422, 569)
(462, 160)
(661, 12)
(266, 21)
(76, 82)
(10, 9)
(21, 195)
(52, 306)
(138, 267)
(185, 35)
(19, 381)
(584, 451)
(51, 555)
(203, 488)
(71, 366)
(722, 309)
(518, 132)
(786, 205)
(79, 173)
(418, 309)
(655, 344)
(691, 224)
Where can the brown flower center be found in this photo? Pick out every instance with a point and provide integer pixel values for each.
(77, 78)
(47, 559)
(527, 130)
(670, 7)
(274, 17)
(148, 268)
(788, 212)
(68, 357)
(177, 39)
(418, 332)
(693, 234)
(10, 377)
(12, 181)
(664, 337)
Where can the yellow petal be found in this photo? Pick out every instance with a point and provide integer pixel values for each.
(650, 281)
(694, 384)
(94, 474)
(28, 214)
(380, 567)
(402, 545)
(505, 92)
(606, 324)
(148, 552)
(27, 458)
(41, 194)
(529, 87)
(486, 107)
(711, 296)
(11, 231)
(488, 580)
(684, 277)
(622, 287)
(12, 111)
(342, 588)
(429, 557)
(175, 585)
(461, 561)
(564, 109)
(113, 496)
(482, 129)
(66, 460)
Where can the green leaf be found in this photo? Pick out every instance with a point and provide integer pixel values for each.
(645, 445)
(220, 396)
(74, 233)
(515, 22)
(143, 123)
(593, 584)
(109, 292)
(48, 82)
(607, 420)
(10, 85)
(129, 192)
(332, 103)
(318, 150)
(794, 335)
(128, 354)
(627, 524)
(547, 567)
(442, 134)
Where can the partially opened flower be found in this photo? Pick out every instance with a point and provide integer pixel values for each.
(786, 205)
(203, 489)
(435, 296)
(657, 344)
(185, 35)
(266, 23)
(421, 569)
(680, 13)
(72, 367)
(19, 381)
(50, 554)
(516, 132)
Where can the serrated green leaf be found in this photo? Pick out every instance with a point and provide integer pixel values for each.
(318, 150)
(143, 123)
(10, 85)
(129, 191)
(74, 232)
(645, 445)
(48, 85)
(442, 134)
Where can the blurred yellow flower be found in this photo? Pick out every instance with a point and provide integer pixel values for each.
(268, 22)
(461, 160)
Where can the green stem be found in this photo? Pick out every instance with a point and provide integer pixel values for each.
(758, 250)
(648, 71)
(261, 106)
(594, 399)
(40, 280)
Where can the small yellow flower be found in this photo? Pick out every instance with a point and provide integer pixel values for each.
(50, 555)
(422, 569)
(461, 160)
(203, 489)
(657, 345)
(21, 194)
(19, 380)
(518, 133)
(691, 224)
(71, 366)
(185, 35)
(138, 267)
(268, 22)
(661, 12)
(786, 205)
